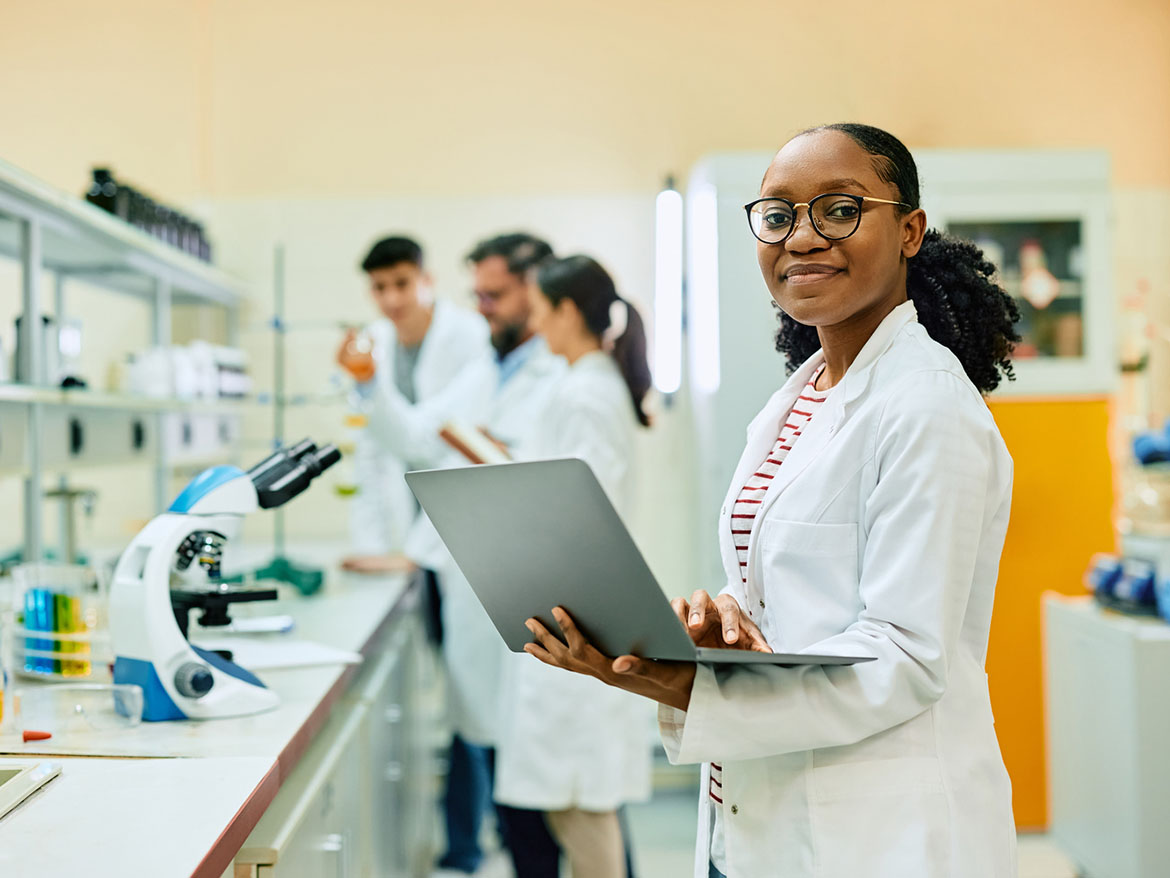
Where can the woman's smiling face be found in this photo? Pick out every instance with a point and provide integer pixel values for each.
(820, 282)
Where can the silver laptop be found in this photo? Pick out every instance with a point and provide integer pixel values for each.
(536, 535)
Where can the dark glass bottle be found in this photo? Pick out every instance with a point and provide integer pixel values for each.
(129, 205)
(190, 239)
(157, 222)
(203, 246)
(103, 191)
(170, 226)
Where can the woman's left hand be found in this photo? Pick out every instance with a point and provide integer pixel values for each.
(666, 682)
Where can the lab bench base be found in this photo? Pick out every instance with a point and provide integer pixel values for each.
(360, 802)
(1108, 727)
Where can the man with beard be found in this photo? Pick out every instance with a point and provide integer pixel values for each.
(503, 394)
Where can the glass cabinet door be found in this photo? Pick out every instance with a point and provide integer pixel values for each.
(1042, 218)
(1041, 264)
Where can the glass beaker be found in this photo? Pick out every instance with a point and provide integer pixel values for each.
(357, 355)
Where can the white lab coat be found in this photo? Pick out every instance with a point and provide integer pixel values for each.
(382, 511)
(881, 535)
(472, 649)
(569, 741)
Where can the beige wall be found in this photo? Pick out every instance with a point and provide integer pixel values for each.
(275, 117)
(260, 97)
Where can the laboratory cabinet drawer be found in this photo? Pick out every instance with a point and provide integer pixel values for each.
(91, 436)
(312, 826)
(198, 435)
(395, 744)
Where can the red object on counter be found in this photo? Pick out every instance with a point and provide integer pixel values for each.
(29, 735)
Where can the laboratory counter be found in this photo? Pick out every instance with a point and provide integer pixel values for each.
(183, 798)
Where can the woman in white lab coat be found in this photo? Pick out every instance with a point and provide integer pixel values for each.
(878, 532)
(569, 745)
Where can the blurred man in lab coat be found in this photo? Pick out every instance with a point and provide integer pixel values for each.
(418, 347)
(503, 392)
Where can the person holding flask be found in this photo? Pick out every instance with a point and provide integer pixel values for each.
(418, 346)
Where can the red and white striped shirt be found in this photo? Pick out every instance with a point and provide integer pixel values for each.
(751, 498)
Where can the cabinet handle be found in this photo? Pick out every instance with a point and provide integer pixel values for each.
(76, 437)
(334, 843)
(394, 714)
(394, 772)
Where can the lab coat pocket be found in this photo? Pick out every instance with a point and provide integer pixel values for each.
(810, 579)
(884, 818)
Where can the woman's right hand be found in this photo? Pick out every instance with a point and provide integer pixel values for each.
(719, 622)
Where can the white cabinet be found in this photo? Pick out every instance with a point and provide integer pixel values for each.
(358, 804)
(91, 436)
(199, 435)
(397, 777)
(310, 830)
(1108, 727)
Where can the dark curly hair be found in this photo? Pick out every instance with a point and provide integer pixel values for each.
(949, 280)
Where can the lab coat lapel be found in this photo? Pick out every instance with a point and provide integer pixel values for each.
(816, 436)
(826, 423)
(761, 437)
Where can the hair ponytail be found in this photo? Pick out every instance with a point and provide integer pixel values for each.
(629, 352)
(950, 282)
(589, 286)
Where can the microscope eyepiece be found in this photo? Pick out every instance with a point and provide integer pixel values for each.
(302, 448)
(326, 457)
(289, 471)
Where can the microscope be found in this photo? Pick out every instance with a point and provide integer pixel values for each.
(173, 566)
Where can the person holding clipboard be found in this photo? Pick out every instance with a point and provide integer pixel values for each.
(867, 516)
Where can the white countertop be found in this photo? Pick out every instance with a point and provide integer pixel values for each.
(203, 785)
(1085, 609)
(127, 817)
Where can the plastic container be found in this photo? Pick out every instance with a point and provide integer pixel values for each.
(77, 708)
(57, 629)
(1146, 501)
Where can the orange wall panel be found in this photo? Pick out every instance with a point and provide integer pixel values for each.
(1061, 516)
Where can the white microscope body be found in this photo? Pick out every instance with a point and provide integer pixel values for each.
(179, 680)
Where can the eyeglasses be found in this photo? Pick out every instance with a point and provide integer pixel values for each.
(835, 216)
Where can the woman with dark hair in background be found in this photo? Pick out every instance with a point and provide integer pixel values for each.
(571, 747)
(866, 517)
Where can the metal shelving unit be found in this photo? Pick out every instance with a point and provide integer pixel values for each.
(45, 229)
(122, 402)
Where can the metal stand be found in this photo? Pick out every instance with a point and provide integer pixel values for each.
(281, 568)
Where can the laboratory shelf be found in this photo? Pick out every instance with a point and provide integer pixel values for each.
(28, 394)
(58, 239)
(84, 242)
